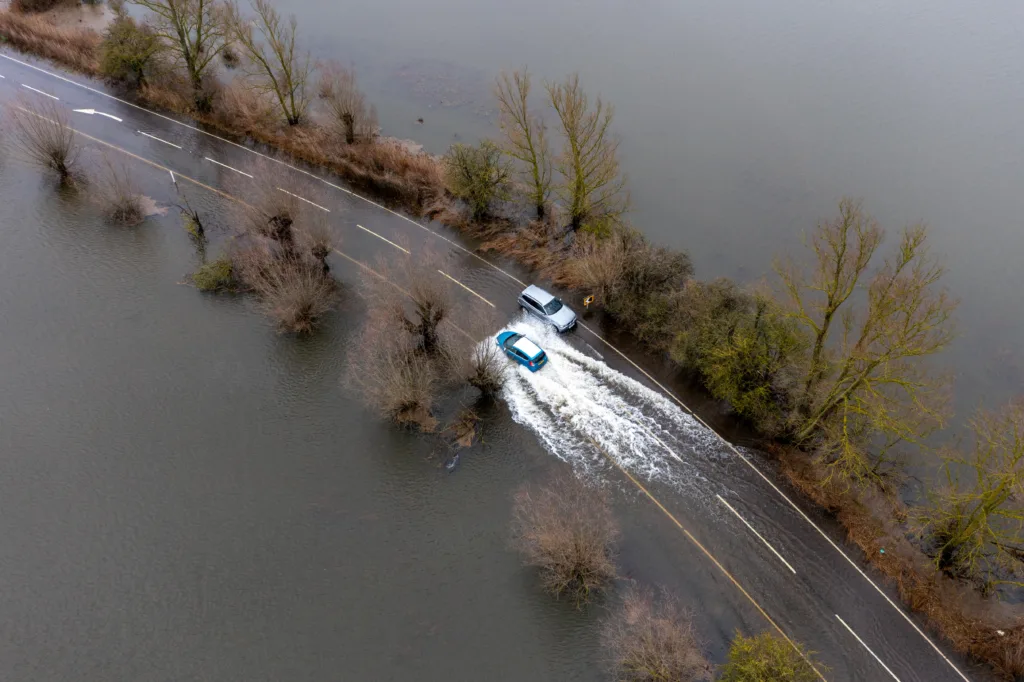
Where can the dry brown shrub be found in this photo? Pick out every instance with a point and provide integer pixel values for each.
(38, 5)
(487, 368)
(76, 48)
(43, 134)
(566, 530)
(119, 195)
(243, 110)
(653, 641)
(418, 301)
(293, 292)
(316, 239)
(394, 375)
(535, 245)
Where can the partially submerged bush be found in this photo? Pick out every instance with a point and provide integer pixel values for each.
(767, 657)
(394, 375)
(478, 175)
(217, 276)
(121, 199)
(654, 641)
(488, 367)
(293, 292)
(44, 136)
(566, 531)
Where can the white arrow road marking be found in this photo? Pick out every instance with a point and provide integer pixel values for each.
(305, 199)
(400, 248)
(154, 137)
(466, 288)
(40, 92)
(868, 648)
(93, 111)
(227, 166)
(759, 536)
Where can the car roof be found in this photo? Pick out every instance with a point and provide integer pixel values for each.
(538, 294)
(528, 347)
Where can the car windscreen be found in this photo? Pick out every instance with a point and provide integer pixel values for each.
(511, 340)
(553, 306)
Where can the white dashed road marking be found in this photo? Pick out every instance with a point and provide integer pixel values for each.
(303, 199)
(227, 166)
(45, 94)
(154, 137)
(466, 288)
(868, 648)
(400, 248)
(759, 536)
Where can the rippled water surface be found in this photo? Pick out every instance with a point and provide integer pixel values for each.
(743, 123)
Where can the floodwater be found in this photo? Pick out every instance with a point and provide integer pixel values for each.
(186, 494)
(743, 123)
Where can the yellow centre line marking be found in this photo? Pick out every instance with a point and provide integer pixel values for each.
(709, 555)
(466, 288)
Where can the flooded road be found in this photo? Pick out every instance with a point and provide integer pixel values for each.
(187, 494)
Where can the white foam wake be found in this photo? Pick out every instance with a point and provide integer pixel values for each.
(576, 402)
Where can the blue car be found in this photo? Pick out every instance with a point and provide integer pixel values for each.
(522, 350)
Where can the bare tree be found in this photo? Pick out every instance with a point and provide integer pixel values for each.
(196, 32)
(976, 521)
(488, 368)
(317, 239)
(416, 298)
(44, 136)
(347, 103)
(276, 64)
(873, 383)
(654, 641)
(567, 531)
(525, 135)
(593, 188)
(292, 291)
(394, 375)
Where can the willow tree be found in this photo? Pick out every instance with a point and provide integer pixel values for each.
(593, 187)
(195, 32)
(867, 383)
(525, 136)
(347, 103)
(275, 63)
(976, 522)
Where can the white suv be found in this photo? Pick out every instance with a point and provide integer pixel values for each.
(540, 303)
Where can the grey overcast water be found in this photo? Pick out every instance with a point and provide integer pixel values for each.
(744, 122)
(185, 494)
